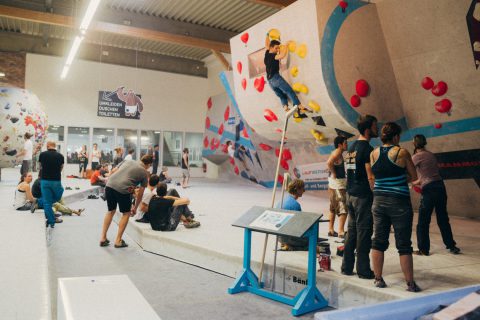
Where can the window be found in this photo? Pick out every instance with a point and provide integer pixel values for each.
(55, 133)
(128, 139)
(193, 141)
(105, 139)
(148, 140)
(77, 137)
(172, 148)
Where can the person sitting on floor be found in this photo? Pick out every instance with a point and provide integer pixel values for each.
(164, 177)
(167, 209)
(24, 199)
(97, 179)
(58, 207)
(296, 189)
(150, 191)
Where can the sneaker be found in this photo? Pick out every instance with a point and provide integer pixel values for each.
(58, 220)
(412, 287)
(103, 197)
(454, 250)
(369, 275)
(380, 283)
(332, 234)
(192, 224)
(421, 253)
(33, 208)
(57, 215)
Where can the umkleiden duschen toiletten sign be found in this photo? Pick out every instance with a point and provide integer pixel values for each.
(119, 104)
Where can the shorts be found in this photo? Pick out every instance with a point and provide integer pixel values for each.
(114, 197)
(185, 173)
(338, 201)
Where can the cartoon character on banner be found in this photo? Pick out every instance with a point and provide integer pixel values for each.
(133, 103)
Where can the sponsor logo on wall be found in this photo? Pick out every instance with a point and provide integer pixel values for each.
(315, 175)
(463, 164)
(121, 103)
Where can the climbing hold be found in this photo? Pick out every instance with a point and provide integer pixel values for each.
(220, 129)
(302, 51)
(277, 152)
(232, 161)
(443, 106)
(245, 133)
(440, 89)
(314, 106)
(244, 83)
(209, 103)
(292, 45)
(284, 164)
(239, 67)
(236, 170)
(280, 179)
(278, 130)
(270, 115)
(226, 115)
(355, 101)
(427, 83)
(438, 126)
(265, 147)
(296, 118)
(244, 37)
(299, 87)
(259, 84)
(343, 5)
(274, 34)
(286, 155)
(362, 88)
(207, 122)
(317, 134)
(294, 71)
(205, 142)
(212, 144)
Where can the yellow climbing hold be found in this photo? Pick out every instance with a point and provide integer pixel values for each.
(317, 135)
(294, 71)
(296, 118)
(314, 106)
(302, 50)
(292, 45)
(274, 34)
(299, 87)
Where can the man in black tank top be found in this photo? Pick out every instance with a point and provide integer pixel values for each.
(359, 200)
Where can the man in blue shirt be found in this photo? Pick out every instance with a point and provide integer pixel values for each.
(295, 189)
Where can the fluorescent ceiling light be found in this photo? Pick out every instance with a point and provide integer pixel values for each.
(109, 130)
(92, 7)
(73, 50)
(64, 72)
(157, 131)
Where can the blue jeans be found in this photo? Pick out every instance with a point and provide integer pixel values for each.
(52, 192)
(283, 90)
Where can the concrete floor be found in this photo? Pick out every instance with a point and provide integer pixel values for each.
(29, 271)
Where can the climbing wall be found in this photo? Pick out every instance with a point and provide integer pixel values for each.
(21, 112)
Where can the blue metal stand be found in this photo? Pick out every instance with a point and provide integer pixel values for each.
(307, 300)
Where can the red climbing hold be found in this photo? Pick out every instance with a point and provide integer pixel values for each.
(239, 67)
(278, 130)
(343, 5)
(427, 83)
(259, 84)
(438, 126)
(244, 83)
(440, 89)
(270, 115)
(236, 170)
(355, 101)
(286, 155)
(443, 106)
(207, 122)
(362, 88)
(220, 129)
(280, 179)
(244, 37)
(284, 164)
(212, 144)
(232, 160)
(226, 115)
(265, 147)
(245, 133)
(205, 142)
(277, 152)
(209, 103)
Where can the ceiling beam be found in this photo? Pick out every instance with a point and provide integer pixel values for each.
(279, 4)
(222, 60)
(112, 26)
(15, 42)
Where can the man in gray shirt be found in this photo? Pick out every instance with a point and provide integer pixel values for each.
(119, 189)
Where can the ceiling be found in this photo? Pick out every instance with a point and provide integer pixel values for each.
(167, 35)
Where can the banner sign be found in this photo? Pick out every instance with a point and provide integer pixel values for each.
(315, 175)
(119, 104)
(463, 164)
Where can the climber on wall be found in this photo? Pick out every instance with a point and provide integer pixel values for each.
(273, 54)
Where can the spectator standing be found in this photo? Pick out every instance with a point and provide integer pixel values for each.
(27, 154)
(51, 163)
(83, 162)
(119, 189)
(359, 200)
(96, 156)
(156, 159)
(185, 168)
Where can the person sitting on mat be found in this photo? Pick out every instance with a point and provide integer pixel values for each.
(98, 178)
(24, 199)
(273, 54)
(150, 191)
(167, 209)
(164, 177)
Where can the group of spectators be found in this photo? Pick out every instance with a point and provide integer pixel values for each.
(371, 186)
